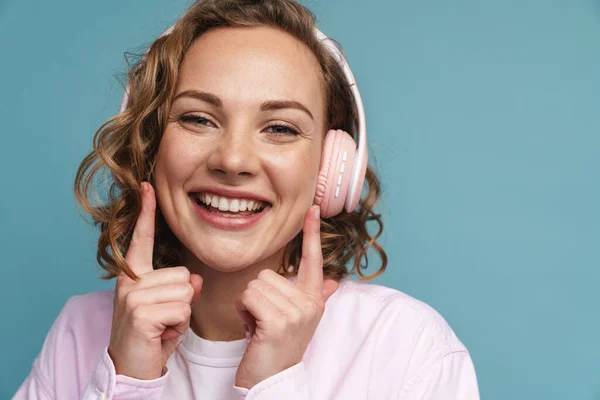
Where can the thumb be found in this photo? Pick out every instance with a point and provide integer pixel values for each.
(196, 282)
(248, 319)
(329, 287)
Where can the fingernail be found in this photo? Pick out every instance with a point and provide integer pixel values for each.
(317, 211)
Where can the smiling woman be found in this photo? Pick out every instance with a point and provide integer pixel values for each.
(234, 212)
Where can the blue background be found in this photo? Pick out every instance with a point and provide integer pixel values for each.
(484, 122)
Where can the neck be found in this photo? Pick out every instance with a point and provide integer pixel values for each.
(214, 316)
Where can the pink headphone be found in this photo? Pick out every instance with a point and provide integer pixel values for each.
(343, 164)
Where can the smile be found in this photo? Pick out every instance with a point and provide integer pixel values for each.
(229, 213)
(229, 204)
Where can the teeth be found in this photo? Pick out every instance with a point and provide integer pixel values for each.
(231, 205)
(223, 204)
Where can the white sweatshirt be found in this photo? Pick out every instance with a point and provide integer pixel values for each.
(372, 342)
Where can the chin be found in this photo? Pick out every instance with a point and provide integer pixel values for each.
(226, 267)
(233, 257)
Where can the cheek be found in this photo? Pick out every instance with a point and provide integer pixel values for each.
(176, 162)
(295, 174)
(176, 159)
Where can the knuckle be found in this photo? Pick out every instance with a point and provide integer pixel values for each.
(312, 258)
(185, 311)
(122, 283)
(254, 284)
(182, 273)
(248, 294)
(131, 302)
(294, 316)
(138, 317)
(120, 295)
(265, 273)
(312, 308)
(119, 299)
(138, 236)
(186, 291)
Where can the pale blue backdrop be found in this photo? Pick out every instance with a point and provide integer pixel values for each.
(484, 120)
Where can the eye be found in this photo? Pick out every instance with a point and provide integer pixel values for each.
(276, 129)
(281, 129)
(194, 119)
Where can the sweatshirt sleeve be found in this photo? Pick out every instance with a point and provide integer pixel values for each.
(105, 384)
(289, 384)
(450, 377)
(74, 361)
(33, 388)
(40, 384)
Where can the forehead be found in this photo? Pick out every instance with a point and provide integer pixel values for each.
(253, 64)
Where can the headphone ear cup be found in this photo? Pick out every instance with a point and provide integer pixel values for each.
(336, 170)
(324, 169)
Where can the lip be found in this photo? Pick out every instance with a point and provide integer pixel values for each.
(227, 223)
(230, 193)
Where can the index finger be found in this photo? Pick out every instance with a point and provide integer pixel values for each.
(139, 254)
(310, 270)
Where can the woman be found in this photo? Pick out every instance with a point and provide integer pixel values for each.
(229, 283)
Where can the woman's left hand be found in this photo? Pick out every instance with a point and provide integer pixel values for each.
(281, 316)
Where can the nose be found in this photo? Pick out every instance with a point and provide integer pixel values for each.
(234, 155)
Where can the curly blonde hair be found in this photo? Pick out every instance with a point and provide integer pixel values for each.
(126, 145)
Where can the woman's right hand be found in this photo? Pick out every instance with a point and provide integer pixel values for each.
(151, 314)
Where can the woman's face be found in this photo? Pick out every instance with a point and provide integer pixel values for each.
(245, 129)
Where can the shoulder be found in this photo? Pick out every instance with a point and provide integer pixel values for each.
(75, 341)
(396, 310)
(100, 303)
(87, 316)
(392, 331)
(84, 315)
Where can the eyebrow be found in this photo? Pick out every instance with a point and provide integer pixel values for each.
(265, 106)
